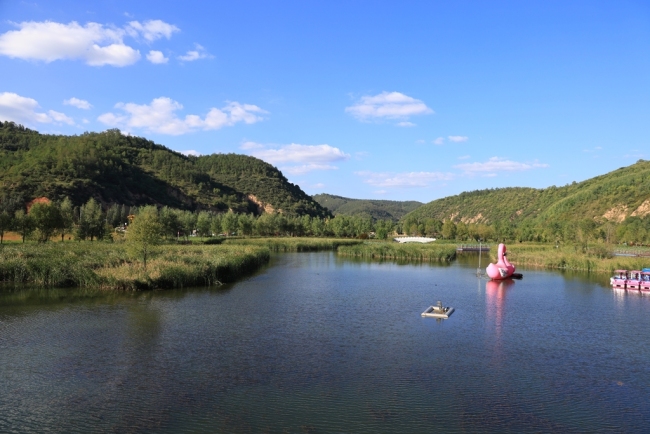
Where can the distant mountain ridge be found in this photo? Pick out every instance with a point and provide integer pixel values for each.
(615, 196)
(377, 209)
(114, 168)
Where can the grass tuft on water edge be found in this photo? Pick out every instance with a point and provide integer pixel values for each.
(403, 252)
(108, 266)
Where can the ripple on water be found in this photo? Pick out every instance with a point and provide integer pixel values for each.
(318, 344)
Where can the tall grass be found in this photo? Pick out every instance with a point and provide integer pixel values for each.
(594, 259)
(295, 244)
(108, 266)
(403, 252)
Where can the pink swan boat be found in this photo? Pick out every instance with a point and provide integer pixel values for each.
(502, 269)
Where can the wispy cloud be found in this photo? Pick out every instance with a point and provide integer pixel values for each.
(439, 141)
(405, 124)
(198, 53)
(24, 110)
(458, 139)
(160, 117)
(404, 179)
(388, 105)
(297, 159)
(79, 103)
(152, 30)
(495, 165)
(191, 152)
(464, 157)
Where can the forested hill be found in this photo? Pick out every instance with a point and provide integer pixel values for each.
(615, 196)
(378, 209)
(113, 168)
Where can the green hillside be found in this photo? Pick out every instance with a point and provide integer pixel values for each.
(113, 168)
(377, 209)
(613, 197)
(621, 197)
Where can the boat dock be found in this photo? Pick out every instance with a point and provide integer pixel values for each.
(473, 248)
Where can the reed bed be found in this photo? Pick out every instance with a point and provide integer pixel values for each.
(596, 259)
(108, 266)
(402, 252)
(294, 244)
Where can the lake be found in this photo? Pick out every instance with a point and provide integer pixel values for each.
(315, 343)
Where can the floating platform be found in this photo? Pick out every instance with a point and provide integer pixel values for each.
(438, 311)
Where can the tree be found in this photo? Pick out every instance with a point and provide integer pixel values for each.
(91, 221)
(449, 230)
(23, 224)
(144, 233)
(67, 217)
(5, 224)
(47, 219)
(383, 228)
(203, 223)
(229, 223)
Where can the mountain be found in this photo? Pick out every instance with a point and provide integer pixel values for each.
(114, 168)
(622, 193)
(377, 209)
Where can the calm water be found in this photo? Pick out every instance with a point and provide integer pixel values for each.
(318, 344)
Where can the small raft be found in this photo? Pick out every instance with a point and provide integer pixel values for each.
(438, 311)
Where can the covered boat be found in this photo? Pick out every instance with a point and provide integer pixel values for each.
(645, 281)
(634, 281)
(619, 280)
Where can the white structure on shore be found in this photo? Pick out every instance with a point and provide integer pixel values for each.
(414, 239)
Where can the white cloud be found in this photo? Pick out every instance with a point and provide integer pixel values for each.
(464, 157)
(196, 54)
(439, 141)
(403, 180)
(297, 159)
(496, 164)
(49, 41)
(60, 117)
(387, 105)
(295, 153)
(405, 124)
(160, 117)
(306, 168)
(79, 103)
(420, 141)
(191, 152)
(94, 43)
(23, 110)
(157, 57)
(152, 30)
(458, 139)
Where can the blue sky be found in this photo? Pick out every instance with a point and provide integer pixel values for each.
(387, 100)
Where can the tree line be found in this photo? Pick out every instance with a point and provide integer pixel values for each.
(633, 230)
(90, 221)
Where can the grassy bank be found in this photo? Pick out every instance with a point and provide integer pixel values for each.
(403, 252)
(108, 266)
(293, 244)
(596, 259)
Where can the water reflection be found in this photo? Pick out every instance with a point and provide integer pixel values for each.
(495, 298)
